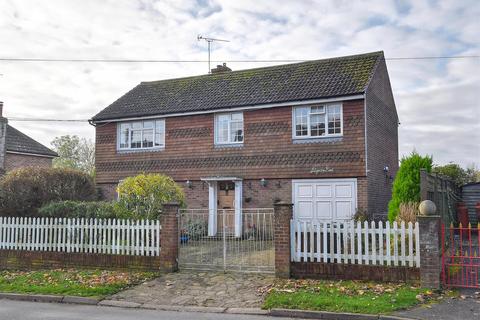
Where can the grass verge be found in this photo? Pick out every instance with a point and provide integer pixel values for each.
(344, 296)
(73, 282)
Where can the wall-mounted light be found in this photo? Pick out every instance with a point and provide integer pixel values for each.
(279, 184)
(263, 182)
(189, 184)
(386, 169)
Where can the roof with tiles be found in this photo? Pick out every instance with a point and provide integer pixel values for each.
(317, 79)
(17, 141)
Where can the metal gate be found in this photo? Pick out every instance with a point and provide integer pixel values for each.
(461, 256)
(220, 248)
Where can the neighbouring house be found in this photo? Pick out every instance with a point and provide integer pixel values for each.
(320, 134)
(18, 150)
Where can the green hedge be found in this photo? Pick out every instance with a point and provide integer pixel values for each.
(80, 209)
(24, 191)
(406, 186)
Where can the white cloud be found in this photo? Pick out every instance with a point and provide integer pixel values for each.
(438, 101)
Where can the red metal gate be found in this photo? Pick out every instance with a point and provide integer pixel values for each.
(461, 256)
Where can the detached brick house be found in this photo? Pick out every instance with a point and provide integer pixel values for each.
(321, 134)
(18, 150)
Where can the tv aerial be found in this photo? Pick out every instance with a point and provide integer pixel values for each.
(209, 41)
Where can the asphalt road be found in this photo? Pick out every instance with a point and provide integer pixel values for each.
(448, 309)
(21, 310)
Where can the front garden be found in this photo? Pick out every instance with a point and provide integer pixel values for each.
(29, 194)
(71, 282)
(345, 296)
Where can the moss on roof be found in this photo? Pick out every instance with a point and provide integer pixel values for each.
(290, 82)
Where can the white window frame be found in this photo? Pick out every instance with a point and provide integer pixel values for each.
(229, 142)
(129, 148)
(309, 136)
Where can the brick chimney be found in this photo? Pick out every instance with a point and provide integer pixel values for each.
(221, 68)
(3, 136)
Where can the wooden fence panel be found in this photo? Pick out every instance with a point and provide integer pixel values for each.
(79, 235)
(346, 242)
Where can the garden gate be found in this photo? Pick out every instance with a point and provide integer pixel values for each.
(221, 249)
(461, 256)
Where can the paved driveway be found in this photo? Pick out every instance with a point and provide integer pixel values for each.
(206, 289)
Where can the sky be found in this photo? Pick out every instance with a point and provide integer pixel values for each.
(438, 100)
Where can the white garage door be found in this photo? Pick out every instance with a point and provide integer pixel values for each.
(325, 199)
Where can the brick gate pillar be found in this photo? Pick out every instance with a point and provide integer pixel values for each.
(430, 251)
(169, 238)
(282, 215)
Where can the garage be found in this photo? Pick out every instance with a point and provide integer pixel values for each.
(324, 199)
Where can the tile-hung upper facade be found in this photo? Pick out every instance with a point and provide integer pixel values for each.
(320, 134)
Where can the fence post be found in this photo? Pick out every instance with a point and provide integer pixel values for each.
(282, 215)
(430, 249)
(169, 238)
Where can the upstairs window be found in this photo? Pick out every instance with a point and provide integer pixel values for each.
(317, 121)
(229, 128)
(148, 134)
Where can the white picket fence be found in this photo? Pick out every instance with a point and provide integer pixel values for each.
(382, 244)
(107, 236)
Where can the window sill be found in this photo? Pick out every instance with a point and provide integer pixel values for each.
(122, 151)
(318, 140)
(228, 145)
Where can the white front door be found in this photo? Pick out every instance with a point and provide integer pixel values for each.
(324, 199)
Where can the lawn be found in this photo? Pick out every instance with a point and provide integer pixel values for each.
(85, 283)
(344, 296)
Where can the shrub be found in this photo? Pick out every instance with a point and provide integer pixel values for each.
(145, 194)
(24, 191)
(406, 187)
(361, 215)
(408, 212)
(82, 209)
(195, 229)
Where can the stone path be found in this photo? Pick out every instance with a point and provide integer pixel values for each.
(205, 289)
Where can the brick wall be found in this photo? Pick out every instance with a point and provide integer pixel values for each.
(17, 259)
(430, 251)
(108, 191)
(3, 139)
(339, 271)
(382, 140)
(283, 213)
(362, 193)
(15, 161)
(254, 195)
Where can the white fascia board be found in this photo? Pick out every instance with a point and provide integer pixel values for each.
(31, 154)
(254, 107)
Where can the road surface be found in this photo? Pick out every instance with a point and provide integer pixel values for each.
(22, 310)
